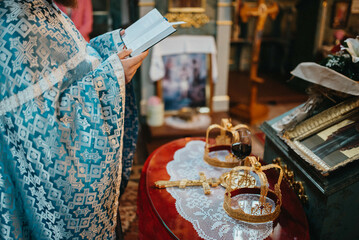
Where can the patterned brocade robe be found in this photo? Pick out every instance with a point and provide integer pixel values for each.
(68, 126)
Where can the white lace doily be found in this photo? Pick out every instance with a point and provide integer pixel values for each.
(206, 212)
(198, 121)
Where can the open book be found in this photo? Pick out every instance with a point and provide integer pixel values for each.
(147, 31)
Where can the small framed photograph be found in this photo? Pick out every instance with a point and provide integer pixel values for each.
(340, 14)
(330, 139)
(186, 83)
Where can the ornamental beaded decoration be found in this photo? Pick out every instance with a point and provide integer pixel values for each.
(228, 134)
(253, 204)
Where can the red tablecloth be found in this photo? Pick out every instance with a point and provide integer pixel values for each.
(159, 219)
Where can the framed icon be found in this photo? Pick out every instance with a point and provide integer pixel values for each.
(330, 139)
(186, 83)
(340, 14)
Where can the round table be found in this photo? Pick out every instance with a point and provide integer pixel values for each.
(159, 219)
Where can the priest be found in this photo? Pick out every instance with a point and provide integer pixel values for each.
(68, 125)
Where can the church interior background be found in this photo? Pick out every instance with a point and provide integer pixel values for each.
(302, 31)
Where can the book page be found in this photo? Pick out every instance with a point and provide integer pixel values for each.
(150, 38)
(177, 23)
(139, 36)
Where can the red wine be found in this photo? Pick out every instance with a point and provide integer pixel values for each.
(241, 150)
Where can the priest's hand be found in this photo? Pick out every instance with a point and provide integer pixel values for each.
(130, 65)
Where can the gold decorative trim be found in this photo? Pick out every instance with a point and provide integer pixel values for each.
(288, 175)
(241, 179)
(229, 23)
(322, 120)
(187, 10)
(262, 210)
(230, 162)
(315, 161)
(226, 4)
(316, 124)
(192, 19)
(228, 134)
(305, 153)
(205, 182)
(146, 4)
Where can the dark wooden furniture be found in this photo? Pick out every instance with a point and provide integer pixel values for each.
(332, 201)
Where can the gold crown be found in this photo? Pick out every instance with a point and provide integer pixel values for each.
(228, 134)
(256, 204)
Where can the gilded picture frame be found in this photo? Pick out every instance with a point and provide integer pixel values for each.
(192, 12)
(330, 139)
(179, 88)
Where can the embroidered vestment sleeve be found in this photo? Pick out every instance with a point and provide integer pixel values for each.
(108, 43)
(68, 127)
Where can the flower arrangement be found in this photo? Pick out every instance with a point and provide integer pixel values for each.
(335, 79)
(346, 60)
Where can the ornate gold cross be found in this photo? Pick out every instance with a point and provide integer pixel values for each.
(262, 10)
(255, 111)
(204, 182)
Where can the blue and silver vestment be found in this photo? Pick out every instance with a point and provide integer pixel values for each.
(68, 126)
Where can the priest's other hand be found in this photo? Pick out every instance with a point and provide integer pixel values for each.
(131, 64)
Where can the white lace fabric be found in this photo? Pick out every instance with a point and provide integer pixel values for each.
(199, 121)
(206, 212)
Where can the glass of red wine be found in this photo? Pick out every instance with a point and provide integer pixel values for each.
(243, 148)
